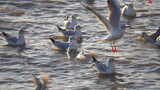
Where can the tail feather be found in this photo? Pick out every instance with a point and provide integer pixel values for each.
(53, 41)
(94, 59)
(59, 28)
(156, 34)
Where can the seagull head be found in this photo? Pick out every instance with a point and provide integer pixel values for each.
(66, 17)
(123, 26)
(144, 34)
(130, 5)
(22, 30)
(72, 39)
(110, 60)
(74, 17)
(77, 27)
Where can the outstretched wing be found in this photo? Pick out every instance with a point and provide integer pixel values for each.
(100, 17)
(115, 12)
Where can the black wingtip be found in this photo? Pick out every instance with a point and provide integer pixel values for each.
(52, 40)
(94, 59)
(4, 34)
(59, 28)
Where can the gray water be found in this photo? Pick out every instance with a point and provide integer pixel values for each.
(138, 63)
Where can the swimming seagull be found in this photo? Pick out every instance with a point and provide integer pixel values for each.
(128, 11)
(72, 43)
(115, 29)
(152, 38)
(74, 33)
(104, 68)
(70, 21)
(40, 84)
(16, 41)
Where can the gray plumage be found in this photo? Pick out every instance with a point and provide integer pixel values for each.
(113, 25)
(104, 68)
(15, 41)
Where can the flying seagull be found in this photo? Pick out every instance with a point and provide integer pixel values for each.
(114, 28)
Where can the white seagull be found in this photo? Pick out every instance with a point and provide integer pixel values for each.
(104, 68)
(128, 11)
(41, 84)
(115, 29)
(74, 33)
(15, 41)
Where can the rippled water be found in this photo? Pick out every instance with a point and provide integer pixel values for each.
(139, 64)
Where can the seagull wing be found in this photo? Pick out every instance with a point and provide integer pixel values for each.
(61, 45)
(101, 67)
(10, 39)
(100, 17)
(115, 13)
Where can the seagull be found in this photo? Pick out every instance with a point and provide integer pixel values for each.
(104, 68)
(151, 38)
(115, 29)
(15, 41)
(128, 11)
(71, 46)
(84, 56)
(40, 84)
(70, 22)
(75, 33)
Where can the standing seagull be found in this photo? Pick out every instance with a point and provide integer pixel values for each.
(104, 68)
(15, 41)
(113, 25)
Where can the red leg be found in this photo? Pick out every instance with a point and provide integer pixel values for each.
(116, 50)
